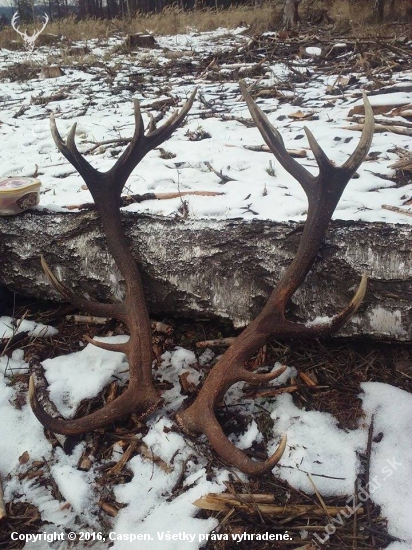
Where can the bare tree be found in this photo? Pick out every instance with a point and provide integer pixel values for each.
(379, 10)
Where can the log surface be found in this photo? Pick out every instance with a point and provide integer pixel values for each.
(218, 268)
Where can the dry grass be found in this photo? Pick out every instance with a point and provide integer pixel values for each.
(172, 20)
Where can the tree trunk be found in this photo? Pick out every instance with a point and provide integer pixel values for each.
(379, 9)
(223, 268)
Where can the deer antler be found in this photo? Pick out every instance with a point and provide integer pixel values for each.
(323, 192)
(29, 41)
(106, 188)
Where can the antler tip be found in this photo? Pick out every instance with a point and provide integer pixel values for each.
(360, 293)
(367, 104)
(34, 404)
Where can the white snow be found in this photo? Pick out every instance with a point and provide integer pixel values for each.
(94, 367)
(391, 459)
(10, 327)
(253, 194)
(316, 447)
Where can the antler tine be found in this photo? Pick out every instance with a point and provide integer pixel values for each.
(132, 400)
(356, 158)
(141, 144)
(275, 141)
(321, 157)
(234, 456)
(260, 377)
(13, 24)
(46, 20)
(323, 193)
(123, 348)
(168, 127)
(69, 150)
(95, 308)
(325, 328)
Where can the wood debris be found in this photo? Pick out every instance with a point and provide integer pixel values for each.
(131, 199)
(295, 153)
(264, 504)
(3, 512)
(397, 209)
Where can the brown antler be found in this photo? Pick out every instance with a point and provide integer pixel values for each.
(323, 192)
(106, 189)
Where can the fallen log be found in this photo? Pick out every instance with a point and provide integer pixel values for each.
(218, 268)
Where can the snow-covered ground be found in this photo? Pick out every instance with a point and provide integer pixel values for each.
(315, 443)
(103, 108)
(316, 446)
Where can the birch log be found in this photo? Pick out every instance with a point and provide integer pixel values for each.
(221, 268)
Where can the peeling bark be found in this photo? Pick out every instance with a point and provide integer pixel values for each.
(223, 268)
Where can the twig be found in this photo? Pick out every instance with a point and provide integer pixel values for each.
(395, 129)
(158, 326)
(383, 122)
(3, 512)
(89, 319)
(224, 179)
(118, 467)
(131, 199)
(322, 502)
(222, 342)
(355, 519)
(117, 141)
(271, 392)
(181, 475)
(367, 475)
(396, 209)
(210, 66)
(295, 153)
(249, 503)
(12, 342)
(108, 508)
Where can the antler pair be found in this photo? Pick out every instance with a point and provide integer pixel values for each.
(29, 40)
(323, 192)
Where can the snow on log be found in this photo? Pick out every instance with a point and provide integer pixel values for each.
(218, 268)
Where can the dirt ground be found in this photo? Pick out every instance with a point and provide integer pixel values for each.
(335, 366)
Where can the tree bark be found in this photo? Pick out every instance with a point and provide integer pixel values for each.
(223, 268)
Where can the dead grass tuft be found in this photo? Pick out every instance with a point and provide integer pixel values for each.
(20, 72)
